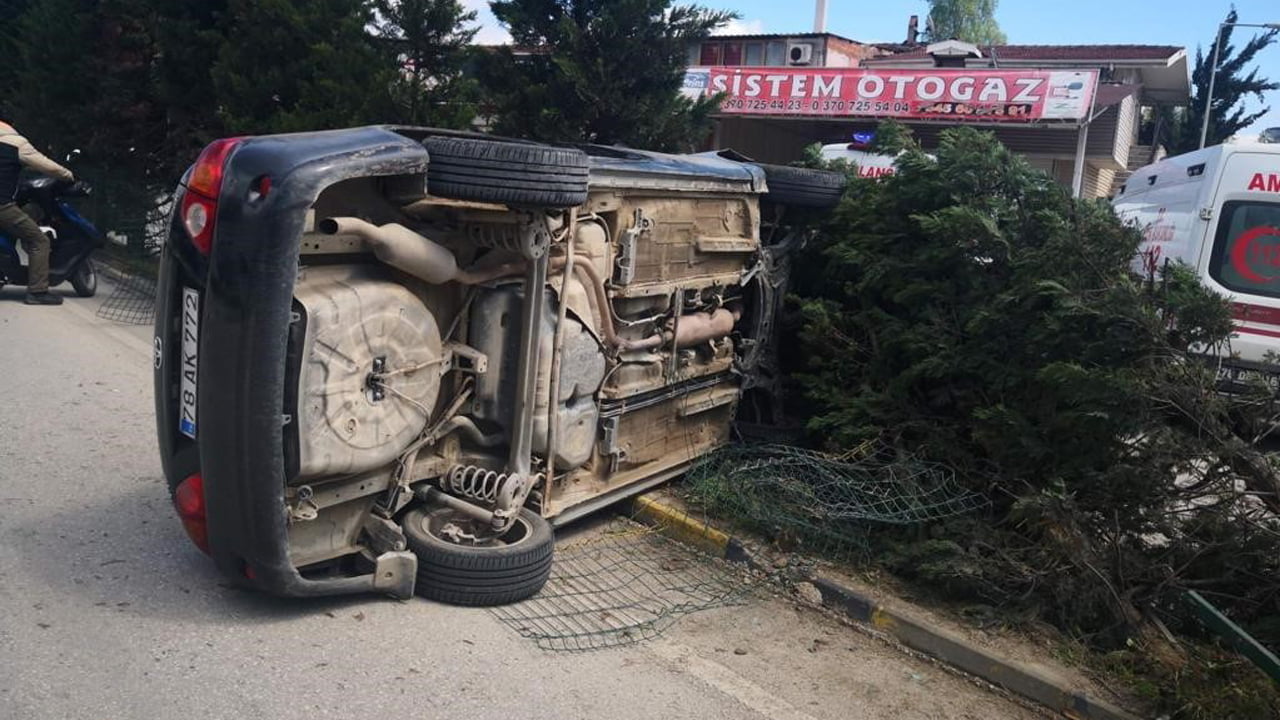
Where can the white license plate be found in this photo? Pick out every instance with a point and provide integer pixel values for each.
(190, 346)
(1240, 376)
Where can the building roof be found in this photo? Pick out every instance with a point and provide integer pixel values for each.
(776, 36)
(1081, 53)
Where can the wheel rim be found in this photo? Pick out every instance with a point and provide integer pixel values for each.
(449, 526)
(88, 275)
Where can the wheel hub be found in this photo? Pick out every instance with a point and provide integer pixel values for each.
(459, 529)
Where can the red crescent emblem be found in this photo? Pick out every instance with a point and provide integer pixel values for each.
(1240, 251)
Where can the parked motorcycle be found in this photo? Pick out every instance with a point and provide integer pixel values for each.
(73, 238)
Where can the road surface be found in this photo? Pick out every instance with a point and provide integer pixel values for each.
(107, 611)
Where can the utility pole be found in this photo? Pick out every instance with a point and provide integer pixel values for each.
(1213, 71)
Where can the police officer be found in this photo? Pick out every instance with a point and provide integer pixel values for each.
(17, 152)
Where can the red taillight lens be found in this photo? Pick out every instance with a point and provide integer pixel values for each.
(188, 499)
(200, 203)
(206, 176)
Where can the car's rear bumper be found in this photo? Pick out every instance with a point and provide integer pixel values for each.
(246, 301)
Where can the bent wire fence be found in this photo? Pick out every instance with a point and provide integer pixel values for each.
(826, 504)
(631, 584)
(134, 221)
(626, 586)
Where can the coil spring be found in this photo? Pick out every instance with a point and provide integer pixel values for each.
(502, 237)
(474, 482)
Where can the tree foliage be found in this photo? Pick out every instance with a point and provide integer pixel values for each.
(605, 71)
(1237, 80)
(11, 12)
(972, 21)
(431, 43)
(300, 65)
(969, 311)
(190, 35)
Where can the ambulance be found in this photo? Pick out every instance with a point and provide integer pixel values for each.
(869, 164)
(1218, 211)
(859, 153)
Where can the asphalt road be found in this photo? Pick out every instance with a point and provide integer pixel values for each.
(107, 611)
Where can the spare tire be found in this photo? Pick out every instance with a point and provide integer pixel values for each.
(803, 187)
(512, 173)
(496, 573)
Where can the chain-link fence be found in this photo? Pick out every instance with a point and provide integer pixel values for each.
(625, 586)
(134, 219)
(826, 504)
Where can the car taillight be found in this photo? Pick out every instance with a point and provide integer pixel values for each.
(188, 499)
(200, 203)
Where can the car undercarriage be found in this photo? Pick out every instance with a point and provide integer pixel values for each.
(543, 332)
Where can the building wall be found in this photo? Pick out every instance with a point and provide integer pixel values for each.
(759, 51)
(843, 53)
(771, 51)
(1129, 118)
(1097, 180)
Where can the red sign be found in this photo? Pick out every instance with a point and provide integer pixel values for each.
(1265, 183)
(1255, 255)
(926, 94)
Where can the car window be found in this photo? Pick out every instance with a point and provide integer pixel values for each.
(1246, 249)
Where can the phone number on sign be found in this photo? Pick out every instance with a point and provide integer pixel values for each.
(823, 106)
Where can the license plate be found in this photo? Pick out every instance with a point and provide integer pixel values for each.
(1231, 375)
(190, 346)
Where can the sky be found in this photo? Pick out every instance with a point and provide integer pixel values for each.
(1186, 23)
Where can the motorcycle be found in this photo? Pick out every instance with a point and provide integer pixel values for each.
(73, 239)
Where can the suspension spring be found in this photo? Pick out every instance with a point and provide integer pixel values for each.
(474, 483)
(502, 237)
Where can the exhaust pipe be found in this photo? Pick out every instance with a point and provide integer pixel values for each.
(419, 256)
(399, 247)
(697, 328)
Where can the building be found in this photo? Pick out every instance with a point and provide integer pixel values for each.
(1073, 110)
(800, 50)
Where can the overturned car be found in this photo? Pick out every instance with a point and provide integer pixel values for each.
(390, 359)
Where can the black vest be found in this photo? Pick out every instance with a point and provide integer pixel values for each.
(10, 168)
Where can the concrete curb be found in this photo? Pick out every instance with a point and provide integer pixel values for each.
(937, 642)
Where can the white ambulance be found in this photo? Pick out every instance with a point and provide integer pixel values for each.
(1218, 210)
(870, 165)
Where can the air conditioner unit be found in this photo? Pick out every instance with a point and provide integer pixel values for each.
(799, 53)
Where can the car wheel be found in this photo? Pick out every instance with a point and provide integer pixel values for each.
(803, 187)
(84, 280)
(495, 572)
(506, 172)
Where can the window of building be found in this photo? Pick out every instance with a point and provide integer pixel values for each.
(710, 54)
(753, 54)
(732, 53)
(693, 56)
(776, 53)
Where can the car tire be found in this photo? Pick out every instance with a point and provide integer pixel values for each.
(479, 576)
(803, 187)
(84, 279)
(511, 173)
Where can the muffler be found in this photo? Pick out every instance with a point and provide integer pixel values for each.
(417, 255)
(399, 247)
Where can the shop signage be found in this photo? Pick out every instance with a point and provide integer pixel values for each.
(979, 96)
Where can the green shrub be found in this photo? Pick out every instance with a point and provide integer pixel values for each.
(969, 311)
